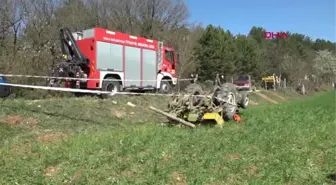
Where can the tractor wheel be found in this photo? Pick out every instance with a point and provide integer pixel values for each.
(195, 90)
(112, 86)
(243, 100)
(228, 93)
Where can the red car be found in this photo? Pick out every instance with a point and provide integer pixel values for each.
(242, 83)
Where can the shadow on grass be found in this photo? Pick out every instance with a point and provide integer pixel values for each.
(332, 177)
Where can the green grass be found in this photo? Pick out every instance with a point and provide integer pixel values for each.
(107, 143)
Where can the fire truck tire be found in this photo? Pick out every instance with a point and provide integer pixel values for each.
(110, 86)
(165, 87)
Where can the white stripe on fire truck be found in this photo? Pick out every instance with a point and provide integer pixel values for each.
(110, 32)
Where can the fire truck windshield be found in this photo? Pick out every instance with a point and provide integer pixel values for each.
(169, 56)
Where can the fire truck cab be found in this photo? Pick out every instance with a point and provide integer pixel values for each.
(118, 62)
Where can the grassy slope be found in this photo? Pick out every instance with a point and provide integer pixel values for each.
(291, 143)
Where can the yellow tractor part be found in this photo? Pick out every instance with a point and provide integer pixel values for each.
(207, 116)
(270, 79)
(214, 116)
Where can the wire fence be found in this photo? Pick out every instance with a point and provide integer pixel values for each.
(22, 85)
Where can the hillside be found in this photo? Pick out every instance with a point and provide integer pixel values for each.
(92, 141)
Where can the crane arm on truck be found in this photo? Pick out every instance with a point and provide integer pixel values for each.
(75, 62)
(70, 49)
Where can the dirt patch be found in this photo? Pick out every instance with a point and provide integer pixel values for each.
(252, 170)
(232, 156)
(52, 137)
(14, 120)
(17, 120)
(266, 98)
(277, 95)
(252, 148)
(133, 173)
(129, 173)
(118, 113)
(50, 171)
(253, 102)
(232, 179)
(217, 168)
(31, 122)
(166, 157)
(178, 178)
(77, 175)
(22, 148)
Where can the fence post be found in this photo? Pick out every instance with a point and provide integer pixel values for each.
(274, 81)
(178, 84)
(284, 83)
(250, 83)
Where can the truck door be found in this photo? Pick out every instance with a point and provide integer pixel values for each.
(169, 61)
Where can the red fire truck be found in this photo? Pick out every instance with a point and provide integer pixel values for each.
(114, 61)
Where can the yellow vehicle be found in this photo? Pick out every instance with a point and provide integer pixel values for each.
(269, 81)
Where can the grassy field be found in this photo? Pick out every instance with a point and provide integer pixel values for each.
(92, 141)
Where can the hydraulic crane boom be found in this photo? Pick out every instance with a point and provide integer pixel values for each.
(75, 63)
(70, 49)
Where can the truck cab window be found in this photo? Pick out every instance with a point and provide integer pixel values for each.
(169, 56)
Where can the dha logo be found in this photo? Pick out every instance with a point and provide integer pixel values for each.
(273, 35)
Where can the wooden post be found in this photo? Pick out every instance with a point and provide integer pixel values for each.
(274, 81)
(250, 83)
(178, 84)
(173, 117)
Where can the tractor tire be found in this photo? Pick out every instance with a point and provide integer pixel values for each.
(243, 100)
(228, 92)
(113, 86)
(194, 89)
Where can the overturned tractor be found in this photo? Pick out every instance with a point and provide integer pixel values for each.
(196, 106)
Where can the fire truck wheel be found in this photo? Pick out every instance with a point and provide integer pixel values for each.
(165, 87)
(113, 86)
